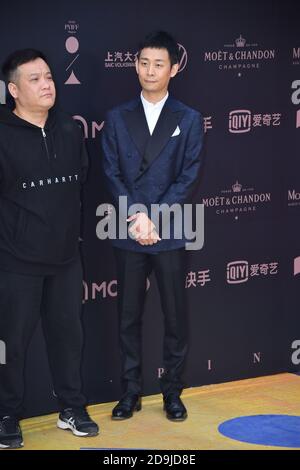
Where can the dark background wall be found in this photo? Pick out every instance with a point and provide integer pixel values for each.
(240, 59)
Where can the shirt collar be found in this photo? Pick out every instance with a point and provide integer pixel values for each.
(159, 104)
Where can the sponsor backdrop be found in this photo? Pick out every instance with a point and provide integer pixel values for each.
(240, 66)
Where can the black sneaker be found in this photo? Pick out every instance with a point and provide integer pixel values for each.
(10, 433)
(78, 421)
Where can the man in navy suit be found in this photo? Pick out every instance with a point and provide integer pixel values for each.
(151, 155)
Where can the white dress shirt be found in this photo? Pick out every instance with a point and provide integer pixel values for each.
(153, 110)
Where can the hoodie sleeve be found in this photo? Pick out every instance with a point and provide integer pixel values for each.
(1, 173)
(84, 161)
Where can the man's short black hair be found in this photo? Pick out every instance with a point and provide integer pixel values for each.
(161, 40)
(17, 58)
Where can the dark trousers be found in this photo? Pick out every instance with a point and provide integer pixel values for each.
(132, 270)
(58, 300)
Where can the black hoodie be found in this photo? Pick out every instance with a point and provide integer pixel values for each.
(41, 171)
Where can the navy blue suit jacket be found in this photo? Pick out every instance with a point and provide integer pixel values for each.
(153, 169)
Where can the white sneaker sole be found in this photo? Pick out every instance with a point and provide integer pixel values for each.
(12, 446)
(63, 425)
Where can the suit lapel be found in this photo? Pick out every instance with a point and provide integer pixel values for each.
(165, 126)
(137, 126)
(150, 146)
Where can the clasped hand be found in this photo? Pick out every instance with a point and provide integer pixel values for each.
(143, 229)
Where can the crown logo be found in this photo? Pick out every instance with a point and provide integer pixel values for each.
(240, 42)
(236, 187)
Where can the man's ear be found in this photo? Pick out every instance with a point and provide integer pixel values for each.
(13, 89)
(174, 70)
(137, 66)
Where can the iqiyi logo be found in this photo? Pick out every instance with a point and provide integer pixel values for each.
(2, 352)
(296, 99)
(2, 92)
(296, 354)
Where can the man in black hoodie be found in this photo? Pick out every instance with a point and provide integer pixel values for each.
(42, 165)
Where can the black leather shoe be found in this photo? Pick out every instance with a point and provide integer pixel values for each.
(174, 408)
(126, 406)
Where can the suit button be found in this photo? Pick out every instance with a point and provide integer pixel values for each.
(129, 155)
(136, 186)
